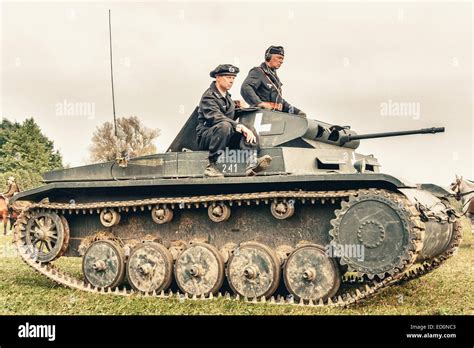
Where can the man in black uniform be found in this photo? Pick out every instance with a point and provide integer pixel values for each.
(262, 87)
(218, 128)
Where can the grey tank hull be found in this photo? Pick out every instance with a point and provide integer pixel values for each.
(247, 223)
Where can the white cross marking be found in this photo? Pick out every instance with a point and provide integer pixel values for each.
(259, 127)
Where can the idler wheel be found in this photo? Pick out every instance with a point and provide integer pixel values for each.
(103, 264)
(310, 274)
(161, 215)
(253, 270)
(150, 267)
(218, 212)
(109, 217)
(46, 236)
(282, 210)
(199, 270)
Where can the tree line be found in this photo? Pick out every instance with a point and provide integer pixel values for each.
(26, 153)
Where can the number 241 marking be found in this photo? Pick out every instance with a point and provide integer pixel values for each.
(229, 168)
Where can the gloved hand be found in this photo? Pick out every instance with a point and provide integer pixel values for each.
(302, 114)
(271, 106)
(240, 104)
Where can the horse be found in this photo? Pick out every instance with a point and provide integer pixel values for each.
(464, 192)
(6, 217)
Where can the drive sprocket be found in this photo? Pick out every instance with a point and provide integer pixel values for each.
(376, 233)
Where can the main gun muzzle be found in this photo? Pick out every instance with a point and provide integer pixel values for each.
(347, 138)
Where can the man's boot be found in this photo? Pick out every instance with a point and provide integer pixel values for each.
(212, 171)
(256, 165)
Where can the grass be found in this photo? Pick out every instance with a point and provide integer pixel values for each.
(447, 290)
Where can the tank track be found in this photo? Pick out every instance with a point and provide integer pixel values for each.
(421, 269)
(363, 289)
(427, 267)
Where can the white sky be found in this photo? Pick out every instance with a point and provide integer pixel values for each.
(343, 61)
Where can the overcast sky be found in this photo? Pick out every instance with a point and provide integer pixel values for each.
(346, 63)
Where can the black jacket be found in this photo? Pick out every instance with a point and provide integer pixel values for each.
(263, 85)
(214, 108)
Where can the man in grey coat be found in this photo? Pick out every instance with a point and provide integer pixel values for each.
(262, 87)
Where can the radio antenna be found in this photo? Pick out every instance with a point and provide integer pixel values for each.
(112, 74)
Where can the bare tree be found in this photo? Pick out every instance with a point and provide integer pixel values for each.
(132, 137)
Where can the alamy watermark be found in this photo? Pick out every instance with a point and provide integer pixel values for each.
(68, 108)
(353, 251)
(237, 156)
(400, 109)
(37, 331)
(8, 251)
(230, 158)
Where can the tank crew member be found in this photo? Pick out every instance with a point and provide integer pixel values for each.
(12, 188)
(262, 87)
(218, 127)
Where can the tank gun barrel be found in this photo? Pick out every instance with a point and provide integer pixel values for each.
(347, 138)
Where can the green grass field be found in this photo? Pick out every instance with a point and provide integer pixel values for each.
(447, 290)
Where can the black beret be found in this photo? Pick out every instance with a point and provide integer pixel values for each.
(224, 69)
(275, 50)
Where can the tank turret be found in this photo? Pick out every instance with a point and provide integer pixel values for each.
(283, 129)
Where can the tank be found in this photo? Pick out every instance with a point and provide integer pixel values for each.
(321, 226)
